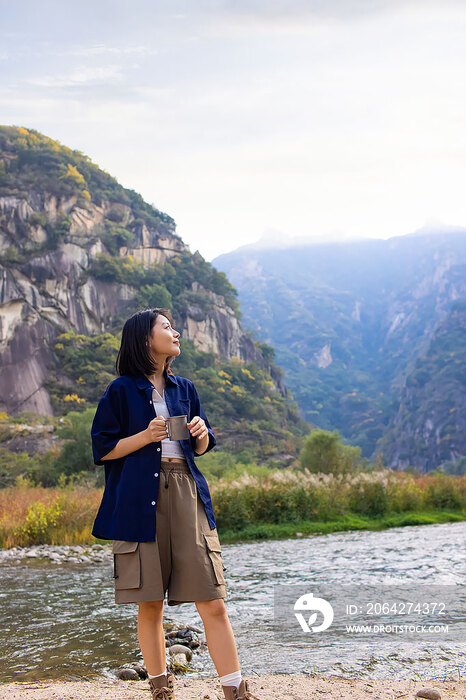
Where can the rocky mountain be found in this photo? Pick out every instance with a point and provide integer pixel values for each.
(78, 254)
(430, 419)
(367, 332)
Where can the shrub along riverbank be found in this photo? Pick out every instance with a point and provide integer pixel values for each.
(274, 504)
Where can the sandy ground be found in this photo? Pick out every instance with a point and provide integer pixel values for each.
(265, 687)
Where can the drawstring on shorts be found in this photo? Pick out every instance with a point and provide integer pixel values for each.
(174, 469)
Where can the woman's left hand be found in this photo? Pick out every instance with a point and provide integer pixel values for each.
(197, 427)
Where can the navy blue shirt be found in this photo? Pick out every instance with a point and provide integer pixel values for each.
(129, 501)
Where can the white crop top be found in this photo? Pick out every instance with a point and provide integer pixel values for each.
(170, 448)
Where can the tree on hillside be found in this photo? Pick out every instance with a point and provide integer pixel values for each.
(456, 468)
(76, 453)
(324, 452)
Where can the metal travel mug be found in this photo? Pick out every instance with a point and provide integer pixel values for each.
(177, 428)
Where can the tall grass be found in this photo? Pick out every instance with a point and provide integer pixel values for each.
(36, 515)
(286, 496)
(274, 504)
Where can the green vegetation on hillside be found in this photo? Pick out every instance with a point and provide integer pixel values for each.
(31, 161)
(169, 284)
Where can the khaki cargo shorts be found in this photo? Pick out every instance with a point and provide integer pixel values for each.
(185, 558)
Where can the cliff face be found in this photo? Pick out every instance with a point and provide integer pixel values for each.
(48, 243)
(430, 420)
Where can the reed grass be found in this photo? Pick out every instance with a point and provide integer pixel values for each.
(278, 504)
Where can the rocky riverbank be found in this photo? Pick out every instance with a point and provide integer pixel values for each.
(58, 554)
(265, 687)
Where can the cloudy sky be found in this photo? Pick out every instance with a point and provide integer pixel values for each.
(246, 118)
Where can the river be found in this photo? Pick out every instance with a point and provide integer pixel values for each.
(59, 620)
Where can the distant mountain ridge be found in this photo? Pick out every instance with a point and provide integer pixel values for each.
(352, 323)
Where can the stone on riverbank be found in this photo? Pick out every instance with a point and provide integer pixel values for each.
(428, 694)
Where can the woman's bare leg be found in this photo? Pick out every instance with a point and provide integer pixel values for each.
(151, 636)
(219, 635)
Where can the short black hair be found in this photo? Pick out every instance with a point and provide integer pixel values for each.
(134, 356)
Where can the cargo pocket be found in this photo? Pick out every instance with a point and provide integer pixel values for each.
(214, 549)
(126, 564)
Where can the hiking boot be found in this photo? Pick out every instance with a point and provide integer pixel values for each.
(163, 687)
(241, 693)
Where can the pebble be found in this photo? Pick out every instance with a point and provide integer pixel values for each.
(181, 649)
(429, 694)
(179, 660)
(140, 670)
(127, 674)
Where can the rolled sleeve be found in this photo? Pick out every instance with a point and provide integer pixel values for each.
(106, 426)
(197, 410)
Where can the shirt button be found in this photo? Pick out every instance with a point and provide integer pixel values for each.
(158, 449)
(156, 474)
(153, 503)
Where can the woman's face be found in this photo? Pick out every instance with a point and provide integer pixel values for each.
(163, 338)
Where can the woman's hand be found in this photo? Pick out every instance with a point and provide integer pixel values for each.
(197, 428)
(157, 429)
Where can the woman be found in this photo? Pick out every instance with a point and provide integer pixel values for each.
(156, 505)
